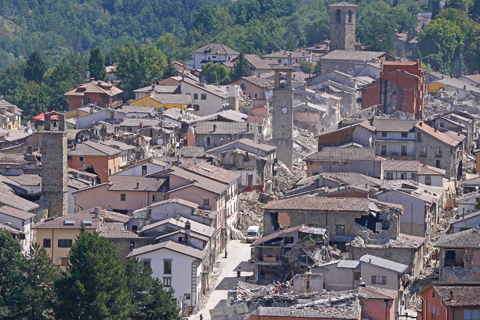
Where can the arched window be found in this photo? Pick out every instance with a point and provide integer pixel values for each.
(350, 16)
(338, 15)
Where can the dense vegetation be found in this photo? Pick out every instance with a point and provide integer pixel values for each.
(141, 36)
(94, 286)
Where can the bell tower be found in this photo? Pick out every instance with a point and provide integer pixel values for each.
(282, 119)
(342, 26)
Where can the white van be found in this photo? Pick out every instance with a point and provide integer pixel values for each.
(253, 233)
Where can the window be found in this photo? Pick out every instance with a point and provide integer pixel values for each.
(112, 115)
(64, 261)
(433, 294)
(167, 282)
(357, 275)
(423, 151)
(64, 243)
(47, 243)
(214, 57)
(204, 96)
(379, 280)
(442, 124)
(123, 197)
(110, 171)
(87, 99)
(384, 134)
(471, 314)
(196, 107)
(186, 296)
(147, 263)
(403, 175)
(350, 16)
(340, 230)
(428, 180)
(167, 266)
(419, 136)
(154, 198)
(347, 133)
(80, 159)
(132, 245)
(206, 202)
(384, 150)
(438, 152)
(105, 100)
(195, 96)
(288, 240)
(144, 170)
(404, 151)
(228, 58)
(438, 164)
(255, 96)
(404, 134)
(389, 175)
(279, 60)
(438, 311)
(338, 16)
(134, 228)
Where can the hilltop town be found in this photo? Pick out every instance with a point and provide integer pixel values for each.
(347, 192)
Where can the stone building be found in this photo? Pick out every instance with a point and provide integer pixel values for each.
(282, 131)
(54, 163)
(342, 26)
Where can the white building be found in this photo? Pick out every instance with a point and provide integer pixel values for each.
(21, 221)
(212, 52)
(177, 266)
(467, 202)
(107, 115)
(142, 169)
(206, 99)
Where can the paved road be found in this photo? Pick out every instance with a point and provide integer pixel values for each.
(238, 255)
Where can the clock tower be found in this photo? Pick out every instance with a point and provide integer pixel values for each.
(282, 122)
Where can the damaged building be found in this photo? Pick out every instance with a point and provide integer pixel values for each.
(345, 218)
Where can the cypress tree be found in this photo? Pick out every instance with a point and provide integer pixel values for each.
(241, 68)
(35, 68)
(96, 64)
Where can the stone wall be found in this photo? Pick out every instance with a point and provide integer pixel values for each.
(342, 28)
(122, 246)
(54, 176)
(282, 131)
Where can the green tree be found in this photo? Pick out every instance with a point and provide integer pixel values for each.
(215, 73)
(241, 68)
(456, 4)
(170, 70)
(35, 68)
(150, 299)
(38, 296)
(459, 67)
(435, 8)
(307, 66)
(318, 67)
(474, 12)
(96, 64)
(11, 260)
(94, 285)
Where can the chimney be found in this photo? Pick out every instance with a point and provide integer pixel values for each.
(99, 83)
(96, 211)
(138, 185)
(451, 295)
(141, 125)
(214, 127)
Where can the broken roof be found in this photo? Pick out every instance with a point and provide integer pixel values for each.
(316, 203)
(353, 55)
(238, 144)
(217, 127)
(336, 154)
(213, 172)
(118, 145)
(300, 228)
(464, 239)
(384, 263)
(168, 245)
(195, 226)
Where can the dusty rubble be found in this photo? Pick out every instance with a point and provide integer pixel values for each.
(437, 104)
(250, 210)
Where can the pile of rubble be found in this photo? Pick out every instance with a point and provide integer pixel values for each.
(436, 105)
(250, 210)
(304, 143)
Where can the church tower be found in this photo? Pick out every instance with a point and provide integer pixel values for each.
(282, 119)
(342, 26)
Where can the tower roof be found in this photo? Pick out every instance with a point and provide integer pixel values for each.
(343, 4)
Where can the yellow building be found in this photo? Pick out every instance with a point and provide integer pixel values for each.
(75, 113)
(10, 115)
(168, 101)
(57, 235)
(434, 87)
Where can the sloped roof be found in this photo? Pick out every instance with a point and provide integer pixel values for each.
(384, 263)
(426, 169)
(370, 292)
(16, 213)
(437, 134)
(343, 4)
(353, 55)
(464, 294)
(207, 127)
(207, 88)
(168, 245)
(94, 87)
(213, 172)
(243, 142)
(167, 98)
(78, 217)
(393, 125)
(175, 200)
(333, 154)
(198, 181)
(195, 226)
(130, 183)
(474, 77)
(137, 109)
(215, 48)
(401, 165)
(463, 239)
(258, 63)
(118, 145)
(258, 81)
(90, 148)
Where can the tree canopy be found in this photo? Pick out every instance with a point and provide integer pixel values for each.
(96, 64)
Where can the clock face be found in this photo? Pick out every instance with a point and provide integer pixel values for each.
(284, 110)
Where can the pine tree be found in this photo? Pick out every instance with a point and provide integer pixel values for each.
(38, 295)
(474, 12)
(11, 260)
(96, 64)
(241, 68)
(435, 8)
(150, 299)
(94, 285)
(318, 67)
(35, 68)
(170, 70)
(456, 4)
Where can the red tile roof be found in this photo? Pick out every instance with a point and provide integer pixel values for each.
(437, 134)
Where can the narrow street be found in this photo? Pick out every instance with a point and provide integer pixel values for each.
(238, 254)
